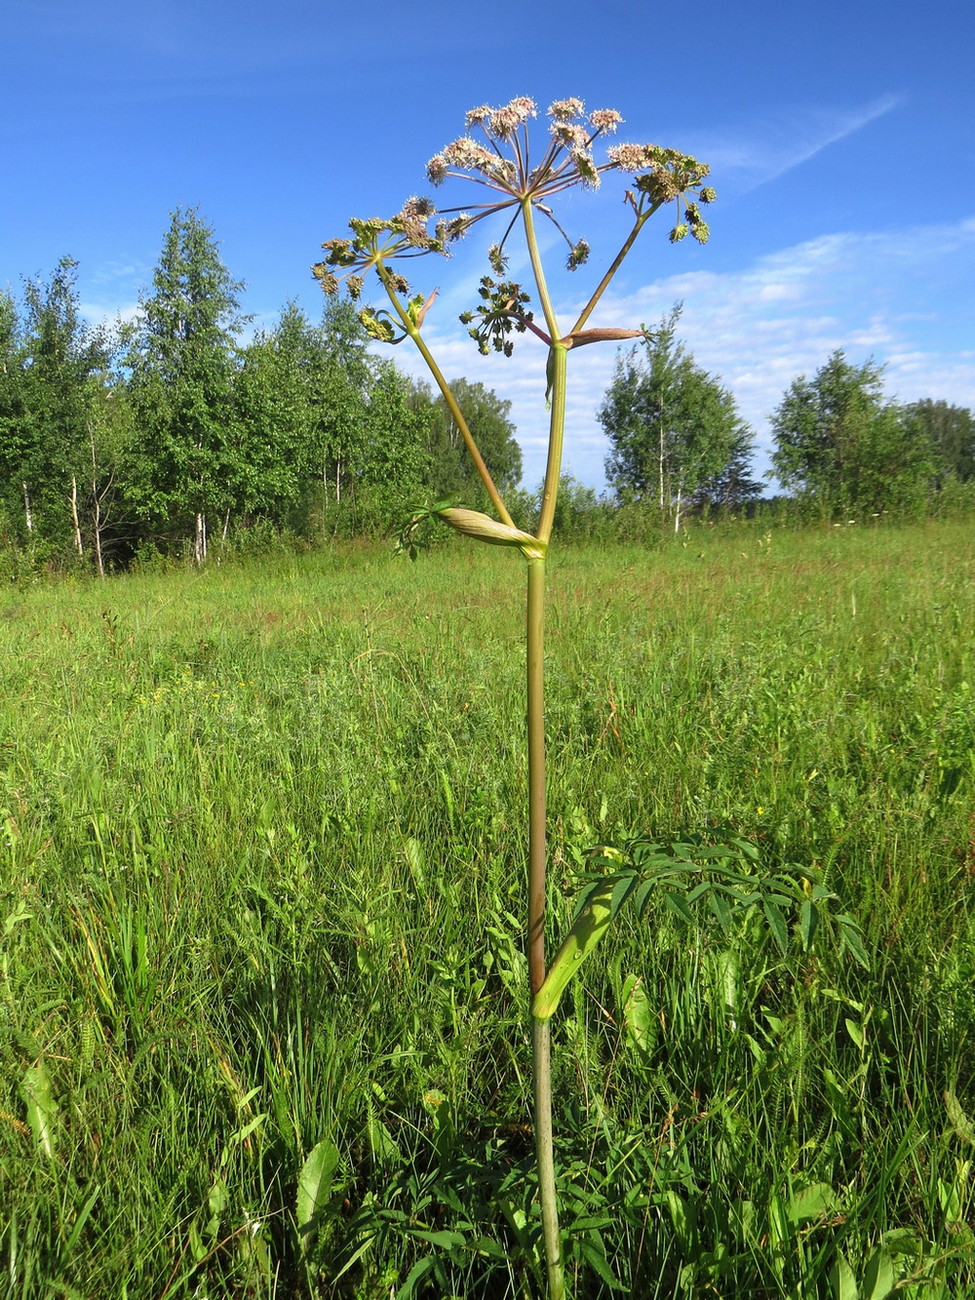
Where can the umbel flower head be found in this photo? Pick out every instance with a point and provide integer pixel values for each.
(376, 241)
(499, 158)
(496, 154)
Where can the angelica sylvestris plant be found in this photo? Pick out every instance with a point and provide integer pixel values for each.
(517, 181)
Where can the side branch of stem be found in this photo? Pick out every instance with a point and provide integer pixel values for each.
(456, 413)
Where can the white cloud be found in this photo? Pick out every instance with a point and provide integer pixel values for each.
(894, 295)
(99, 314)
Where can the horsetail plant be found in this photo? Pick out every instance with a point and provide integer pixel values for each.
(517, 185)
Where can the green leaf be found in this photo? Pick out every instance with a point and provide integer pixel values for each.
(743, 901)
(812, 1202)
(41, 1107)
(596, 1258)
(242, 1134)
(489, 1247)
(808, 924)
(314, 1186)
(903, 1241)
(878, 1277)
(746, 848)
(217, 1199)
(623, 889)
(682, 1217)
(678, 904)
(444, 1238)
(855, 1031)
(844, 1283)
(382, 1145)
(960, 1122)
(643, 895)
(729, 976)
(593, 1222)
(419, 1270)
(851, 940)
(80, 1221)
(777, 925)
(637, 1014)
(721, 910)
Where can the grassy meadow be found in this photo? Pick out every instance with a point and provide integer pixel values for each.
(263, 1005)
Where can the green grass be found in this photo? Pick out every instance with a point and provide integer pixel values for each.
(262, 884)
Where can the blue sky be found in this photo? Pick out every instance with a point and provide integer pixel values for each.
(840, 137)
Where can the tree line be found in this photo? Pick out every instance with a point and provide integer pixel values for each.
(840, 447)
(161, 433)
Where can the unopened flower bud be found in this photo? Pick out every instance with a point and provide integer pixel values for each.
(497, 259)
(325, 277)
(578, 255)
(377, 327)
(472, 523)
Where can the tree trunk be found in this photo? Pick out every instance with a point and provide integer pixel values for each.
(27, 514)
(96, 496)
(78, 543)
(660, 467)
(200, 539)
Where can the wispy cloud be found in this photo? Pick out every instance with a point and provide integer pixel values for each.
(765, 149)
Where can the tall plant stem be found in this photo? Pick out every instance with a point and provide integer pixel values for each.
(537, 854)
(528, 217)
(537, 848)
(537, 810)
(557, 365)
(545, 1157)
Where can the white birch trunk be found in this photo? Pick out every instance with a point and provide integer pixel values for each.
(200, 539)
(78, 543)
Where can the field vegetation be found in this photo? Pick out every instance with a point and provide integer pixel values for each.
(263, 994)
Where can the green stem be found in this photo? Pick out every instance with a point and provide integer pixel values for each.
(537, 811)
(537, 855)
(538, 272)
(537, 848)
(465, 432)
(617, 262)
(557, 367)
(545, 1157)
(448, 396)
